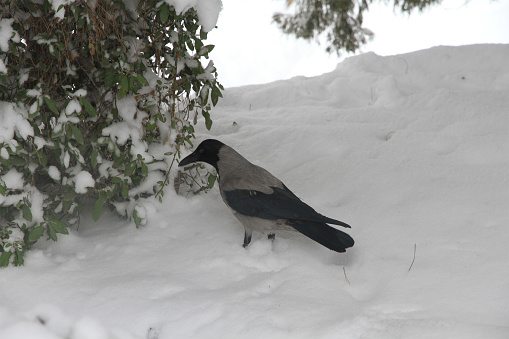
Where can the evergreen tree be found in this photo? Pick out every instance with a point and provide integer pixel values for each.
(340, 20)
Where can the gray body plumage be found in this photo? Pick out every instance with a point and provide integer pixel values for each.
(237, 173)
(261, 202)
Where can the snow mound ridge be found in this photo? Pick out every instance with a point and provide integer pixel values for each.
(370, 79)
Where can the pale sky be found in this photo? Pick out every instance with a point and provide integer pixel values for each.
(250, 49)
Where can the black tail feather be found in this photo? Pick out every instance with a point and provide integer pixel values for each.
(324, 234)
(332, 221)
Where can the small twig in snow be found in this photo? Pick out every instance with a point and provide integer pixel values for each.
(346, 278)
(415, 249)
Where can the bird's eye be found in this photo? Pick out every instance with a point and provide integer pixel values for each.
(201, 150)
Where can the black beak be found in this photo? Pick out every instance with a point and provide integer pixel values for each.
(191, 158)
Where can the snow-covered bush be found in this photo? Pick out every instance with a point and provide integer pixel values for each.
(96, 100)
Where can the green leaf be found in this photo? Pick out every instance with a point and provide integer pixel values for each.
(98, 209)
(164, 13)
(93, 157)
(88, 107)
(203, 34)
(4, 259)
(18, 259)
(123, 86)
(199, 44)
(68, 131)
(204, 94)
(58, 226)
(215, 95)
(130, 168)
(125, 191)
(132, 87)
(137, 219)
(51, 233)
(60, 46)
(208, 121)
(3, 188)
(110, 78)
(51, 104)
(70, 197)
(66, 205)
(35, 234)
(17, 161)
(77, 134)
(140, 79)
(144, 168)
(27, 213)
(209, 48)
(212, 180)
(43, 159)
(75, 12)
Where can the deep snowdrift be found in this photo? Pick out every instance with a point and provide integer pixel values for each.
(411, 150)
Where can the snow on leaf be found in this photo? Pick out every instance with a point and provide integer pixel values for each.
(83, 180)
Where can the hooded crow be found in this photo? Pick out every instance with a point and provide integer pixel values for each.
(261, 202)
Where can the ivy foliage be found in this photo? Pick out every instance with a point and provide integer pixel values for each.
(97, 101)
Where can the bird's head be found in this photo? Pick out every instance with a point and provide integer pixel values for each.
(207, 151)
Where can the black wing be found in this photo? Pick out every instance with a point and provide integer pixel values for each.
(281, 204)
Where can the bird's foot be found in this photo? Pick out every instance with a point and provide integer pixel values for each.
(247, 239)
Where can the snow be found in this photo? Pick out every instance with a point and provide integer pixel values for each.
(40, 142)
(54, 173)
(55, 5)
(13, 119)
(89, 328)
(129, 127)
(208, 13)
(411, 150)
(4, 153)
(73, 106)
(81, 93)
(27, 330)
(6, 33)
(37, 203)
(83, 180)
(207, 10)
(13, 179)
(66, 159)
(16, 235)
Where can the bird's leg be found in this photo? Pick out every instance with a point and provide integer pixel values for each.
(271, 236)
(247, 237)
